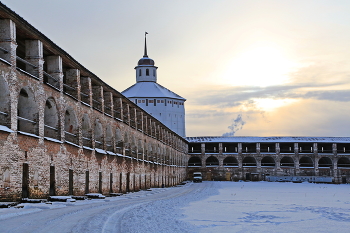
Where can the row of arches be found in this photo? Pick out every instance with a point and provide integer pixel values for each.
(28, 109)
(110, 138)
(268, 161)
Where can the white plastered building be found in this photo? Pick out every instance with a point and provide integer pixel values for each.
(165, 105)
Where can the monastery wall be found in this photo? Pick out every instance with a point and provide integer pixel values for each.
(63, 131)
(256, 161)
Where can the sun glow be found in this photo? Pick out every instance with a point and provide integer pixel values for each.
(259, 66)
(272, 104)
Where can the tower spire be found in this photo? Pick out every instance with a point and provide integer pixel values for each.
(145, 53)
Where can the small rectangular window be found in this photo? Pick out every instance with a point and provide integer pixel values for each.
(139, 101)
(158, 101)
(143, 101)
(150, 101)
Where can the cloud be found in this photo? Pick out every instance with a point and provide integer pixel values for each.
(245, 108)
(338, 95)
(236, 125)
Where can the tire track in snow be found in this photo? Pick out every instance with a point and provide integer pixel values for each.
(106, 216)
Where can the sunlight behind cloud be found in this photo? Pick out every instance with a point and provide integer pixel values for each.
(272, 104)
(259, 66)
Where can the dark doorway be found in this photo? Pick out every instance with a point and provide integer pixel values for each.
(247, 176)
(343, 180)
(146, 181)
(140, 182)
(70, 185)
(111, 183)
(52, 181)
(128, 182)
(134, 183)
(87, 182)
(100, 182)
(121, 182)
(25, 179)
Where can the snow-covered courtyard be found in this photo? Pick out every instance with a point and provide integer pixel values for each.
(273, 207)
(195, 207)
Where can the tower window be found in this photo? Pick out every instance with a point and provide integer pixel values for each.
(147, 72)
(154, 73)
(140, 72)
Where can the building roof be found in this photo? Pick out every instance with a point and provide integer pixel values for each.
(150, 90)
(268, 139)
(145, 61)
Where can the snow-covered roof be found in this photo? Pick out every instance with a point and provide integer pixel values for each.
(268, 139)
(150, 90)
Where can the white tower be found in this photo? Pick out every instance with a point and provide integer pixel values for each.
(157, 100)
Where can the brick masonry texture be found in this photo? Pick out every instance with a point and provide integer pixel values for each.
(63, 131)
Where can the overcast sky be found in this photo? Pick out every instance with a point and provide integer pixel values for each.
(246, 68)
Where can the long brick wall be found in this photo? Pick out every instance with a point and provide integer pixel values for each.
(63, 131)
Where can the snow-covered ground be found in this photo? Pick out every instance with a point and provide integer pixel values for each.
(273, 207)
(195, 207)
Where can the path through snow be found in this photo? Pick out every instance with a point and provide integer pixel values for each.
(145, 211)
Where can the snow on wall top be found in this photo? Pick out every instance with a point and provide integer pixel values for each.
(150, 90)
(268, 139)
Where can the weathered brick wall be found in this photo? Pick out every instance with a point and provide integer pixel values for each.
(50, 122)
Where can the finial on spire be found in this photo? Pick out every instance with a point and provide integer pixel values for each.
(145, 53)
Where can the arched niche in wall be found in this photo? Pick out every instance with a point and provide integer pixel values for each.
(51, 119)
(249, 162)
(140, 146)
(286, 161)
(109, 138)
(28, 112)
(5, 118)
(119, 140)
(325, 162)
(212, 162)
(306, 161)
(195, 161)
(230, 161)
(268, 161)
(343, 162)
(70, 126)
(98, 133)
(86, 130)
(133, 145)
